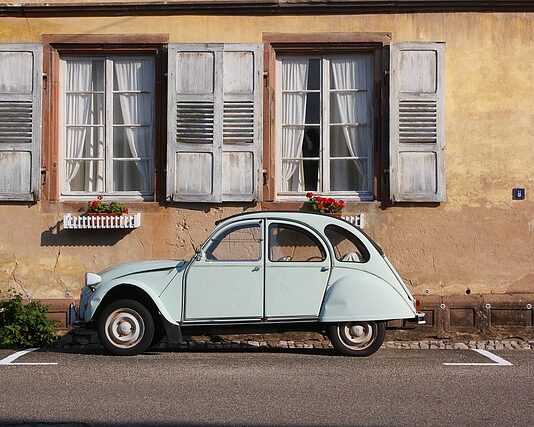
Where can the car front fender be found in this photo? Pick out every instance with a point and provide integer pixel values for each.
(101, 291)
(361, 296)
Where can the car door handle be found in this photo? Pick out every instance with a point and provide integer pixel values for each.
(324, 269)
(256, 268)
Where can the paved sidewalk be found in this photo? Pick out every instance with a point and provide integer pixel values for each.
(73, 342)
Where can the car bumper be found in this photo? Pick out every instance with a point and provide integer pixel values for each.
(74, 317)
(419, 319)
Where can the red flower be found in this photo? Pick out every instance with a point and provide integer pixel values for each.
(125, 210)
(309, 195)
(94, 204)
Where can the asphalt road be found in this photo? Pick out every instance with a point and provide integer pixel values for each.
(282, 387)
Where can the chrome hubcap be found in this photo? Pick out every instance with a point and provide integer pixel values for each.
(125, 328)
(357, 331)
(357, 336)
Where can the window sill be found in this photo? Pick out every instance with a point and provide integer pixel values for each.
(87, 222)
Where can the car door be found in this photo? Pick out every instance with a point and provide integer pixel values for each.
(297, 267)
(226, 281)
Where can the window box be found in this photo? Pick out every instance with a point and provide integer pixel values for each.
(353, 218)
(85, 222)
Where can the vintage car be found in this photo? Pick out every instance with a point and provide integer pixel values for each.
(257, 272)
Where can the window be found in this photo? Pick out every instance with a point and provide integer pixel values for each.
(107, 128)
(289, 243)
(354, 116)
(325, 125)
(238, 244)
(347, 247)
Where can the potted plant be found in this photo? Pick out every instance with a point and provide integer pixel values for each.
(98, 207)
(325, 204)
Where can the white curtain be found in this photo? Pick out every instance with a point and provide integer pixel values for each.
(294, 78)
(352, 73)
(134, 76)
(78, 112)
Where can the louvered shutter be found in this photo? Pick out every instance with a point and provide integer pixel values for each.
(194, 143)
(214, 122)
(241, 122)
(20, 121)
(417, 113)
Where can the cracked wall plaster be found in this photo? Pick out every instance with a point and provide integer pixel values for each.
(478, 239)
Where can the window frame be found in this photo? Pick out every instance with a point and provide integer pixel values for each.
(56, 47)
(325, 93)
(108, 127)
(276, 45)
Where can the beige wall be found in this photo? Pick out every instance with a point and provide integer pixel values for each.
(479, 239)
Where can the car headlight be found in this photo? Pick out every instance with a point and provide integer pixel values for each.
(92, 279)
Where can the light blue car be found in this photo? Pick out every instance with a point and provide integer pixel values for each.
(257, 272)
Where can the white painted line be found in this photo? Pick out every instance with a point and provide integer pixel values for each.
(499, 361)
(26, 364)
(496, 359)
(10, 359)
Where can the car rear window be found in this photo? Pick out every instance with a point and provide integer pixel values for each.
(347, 247)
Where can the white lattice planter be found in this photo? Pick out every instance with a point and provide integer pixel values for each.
(86, 222)
(356, 219)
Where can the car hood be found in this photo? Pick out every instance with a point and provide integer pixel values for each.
(129, 268)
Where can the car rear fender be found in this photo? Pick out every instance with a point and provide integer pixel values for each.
(362, 296)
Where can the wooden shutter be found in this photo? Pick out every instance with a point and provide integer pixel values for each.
(20, 121)
(417, 113)
(214, 122)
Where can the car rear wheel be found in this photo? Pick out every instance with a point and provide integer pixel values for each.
(357, 338)
(125, 327)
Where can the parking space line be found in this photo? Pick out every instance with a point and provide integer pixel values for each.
(10, 360)
(499, 361)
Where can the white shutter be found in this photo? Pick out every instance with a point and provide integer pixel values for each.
(20, 121)
(214, 122)
(242, 120)
(194, 140)
(417, 113)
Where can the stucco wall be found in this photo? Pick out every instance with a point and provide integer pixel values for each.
(478, 240)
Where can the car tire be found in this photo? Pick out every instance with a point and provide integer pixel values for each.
(357, 338)
(125, 327)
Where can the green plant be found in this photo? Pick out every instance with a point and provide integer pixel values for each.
(24, 324)
(325, 204)
(98, 206)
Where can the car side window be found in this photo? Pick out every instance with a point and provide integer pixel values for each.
(242, 243)
(347, 247)
(288, 243)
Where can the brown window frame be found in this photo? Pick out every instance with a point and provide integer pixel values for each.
(326, 43)
(54, 46)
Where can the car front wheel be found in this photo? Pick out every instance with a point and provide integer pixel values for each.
(357, 338)
(125, 327)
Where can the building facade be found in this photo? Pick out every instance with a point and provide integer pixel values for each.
(419, 115)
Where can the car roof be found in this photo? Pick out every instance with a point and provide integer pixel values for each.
(312, 218)
(316, 220)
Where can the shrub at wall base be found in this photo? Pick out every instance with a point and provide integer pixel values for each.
(24, 324)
